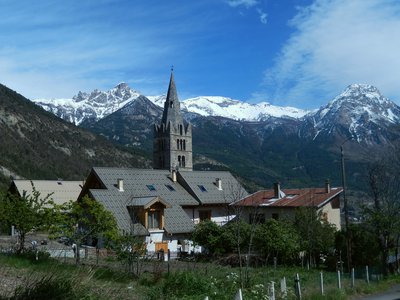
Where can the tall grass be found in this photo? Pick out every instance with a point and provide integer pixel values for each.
(51, 279)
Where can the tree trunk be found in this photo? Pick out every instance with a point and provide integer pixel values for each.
(21, 245)
(397, 253)
(385, 254)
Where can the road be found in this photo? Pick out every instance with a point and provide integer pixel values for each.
(392, 294)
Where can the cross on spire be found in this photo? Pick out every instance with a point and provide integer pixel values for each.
(172, 68)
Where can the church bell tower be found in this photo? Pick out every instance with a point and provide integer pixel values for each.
(172, 145)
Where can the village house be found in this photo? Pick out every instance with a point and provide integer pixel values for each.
(163, 204)
(59, 191)
(280, 203)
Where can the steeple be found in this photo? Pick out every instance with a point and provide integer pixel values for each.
(172, 107)
(172, 145)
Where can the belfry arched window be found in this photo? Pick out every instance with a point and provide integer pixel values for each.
(183, 162)
(184, 144)
(179, 161)
(181, 129)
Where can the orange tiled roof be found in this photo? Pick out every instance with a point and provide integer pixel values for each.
(311, 197)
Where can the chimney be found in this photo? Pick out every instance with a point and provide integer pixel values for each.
(327, 186)
(218, 183)
(173, 175)
(120, 184)
(277, 190)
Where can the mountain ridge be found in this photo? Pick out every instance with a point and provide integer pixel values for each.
(84, 106)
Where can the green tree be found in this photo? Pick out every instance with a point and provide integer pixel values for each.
(27, 213)
(129, 249)
(365, 245)
(278, 239)
(317, 236)
(84, 220)
(209, 235)
(382, 215)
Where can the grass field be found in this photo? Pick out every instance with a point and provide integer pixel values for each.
(22, 277)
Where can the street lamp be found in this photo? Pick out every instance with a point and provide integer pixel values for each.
(346, 209)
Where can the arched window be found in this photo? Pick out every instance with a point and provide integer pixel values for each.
(177, 144)
(183, 162)
(184, 144)
(171, 104)
(179, 161)
(181, 141)
(181, 129)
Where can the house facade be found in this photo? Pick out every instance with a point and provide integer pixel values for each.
(163, 204)
(280, 203)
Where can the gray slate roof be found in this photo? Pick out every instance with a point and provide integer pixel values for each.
(61, 191)
(186, 193)
(231, 191)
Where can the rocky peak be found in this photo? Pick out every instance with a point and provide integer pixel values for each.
(81, 96)
(358, 109)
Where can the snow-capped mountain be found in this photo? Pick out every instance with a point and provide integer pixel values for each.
(95, 105)
(218, 106)
(360, 110)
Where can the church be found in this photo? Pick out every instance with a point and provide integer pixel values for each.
(163, 204)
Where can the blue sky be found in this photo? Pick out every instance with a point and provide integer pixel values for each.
(300, 53)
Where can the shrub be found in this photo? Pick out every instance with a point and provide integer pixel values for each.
(49, 287)
(182, 284)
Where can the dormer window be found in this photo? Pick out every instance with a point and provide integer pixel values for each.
(148, 211)
(153, 219)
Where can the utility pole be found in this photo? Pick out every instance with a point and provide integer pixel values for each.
(346, 210)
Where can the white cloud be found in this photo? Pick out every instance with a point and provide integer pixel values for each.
(337, 43)
(263, 16)
(246, 3)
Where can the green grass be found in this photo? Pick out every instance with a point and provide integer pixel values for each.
(186, 280)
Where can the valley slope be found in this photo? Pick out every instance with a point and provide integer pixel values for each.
(36, 144)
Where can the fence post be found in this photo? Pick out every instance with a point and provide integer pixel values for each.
(366, 274)
(238, 295)
(297, 286)
(283, 287)
(321, 276)
(352, 278)
(272, 290)
(338, 280)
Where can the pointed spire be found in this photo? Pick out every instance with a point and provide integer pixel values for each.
(172, 95)
(172, 106)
